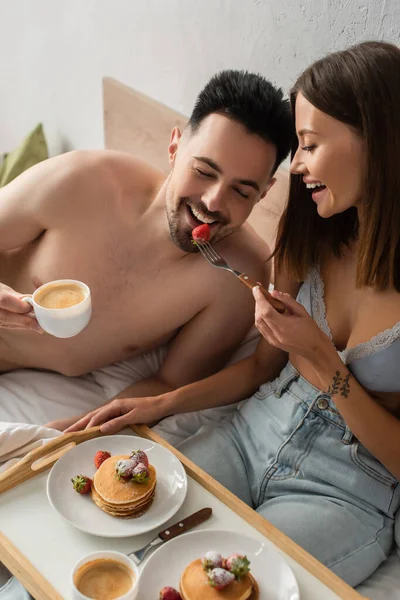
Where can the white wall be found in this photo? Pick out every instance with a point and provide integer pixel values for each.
(53, 53)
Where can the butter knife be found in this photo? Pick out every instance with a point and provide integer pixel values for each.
(168, 534)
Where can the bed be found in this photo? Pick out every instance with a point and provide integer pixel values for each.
(139, 125)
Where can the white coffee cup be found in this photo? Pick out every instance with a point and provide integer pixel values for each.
(114, 556)
(62, 322)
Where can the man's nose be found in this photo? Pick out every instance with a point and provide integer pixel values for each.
(213, 198)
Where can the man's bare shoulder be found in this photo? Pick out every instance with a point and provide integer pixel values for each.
(114, 168)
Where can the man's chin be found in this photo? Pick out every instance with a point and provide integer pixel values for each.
(187, 248)
(184, 243)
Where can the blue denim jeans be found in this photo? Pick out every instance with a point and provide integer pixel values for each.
(288, 453)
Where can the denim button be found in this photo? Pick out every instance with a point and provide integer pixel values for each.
(322, 403)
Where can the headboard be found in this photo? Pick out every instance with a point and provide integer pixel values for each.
(137, 124)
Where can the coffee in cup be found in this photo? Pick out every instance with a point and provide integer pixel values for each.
(62, 308)
(60, 295)
(105, 575)
(104, 579)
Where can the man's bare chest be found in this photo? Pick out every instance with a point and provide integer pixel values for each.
(139, 300)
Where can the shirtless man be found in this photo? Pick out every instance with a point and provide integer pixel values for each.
(120, 226)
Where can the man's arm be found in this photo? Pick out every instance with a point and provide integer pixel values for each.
(226, 387)
(201, 348)
(39, 199)
(235, 383)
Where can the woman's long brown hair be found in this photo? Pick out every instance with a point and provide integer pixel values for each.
(359, 86)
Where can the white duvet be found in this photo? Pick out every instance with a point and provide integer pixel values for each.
(29, 398)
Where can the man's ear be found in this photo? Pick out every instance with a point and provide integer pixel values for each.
(269, 186)
(173, 145)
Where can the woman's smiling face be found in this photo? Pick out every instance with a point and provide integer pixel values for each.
(330, 157)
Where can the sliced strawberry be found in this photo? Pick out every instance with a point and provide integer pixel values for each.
(219, 578)
(139, 456)
(238, 565)
(140, 473)
(201, 233)
(82, 484)
(100, 457)
(124, 468)
(211, 560)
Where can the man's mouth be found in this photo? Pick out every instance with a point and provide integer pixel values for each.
(199, 216)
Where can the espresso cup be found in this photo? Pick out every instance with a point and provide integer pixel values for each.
(62, 307)
(105, 574)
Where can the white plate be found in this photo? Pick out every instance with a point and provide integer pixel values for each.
(165, 567)
(81, 512)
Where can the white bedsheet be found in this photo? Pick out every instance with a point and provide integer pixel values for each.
(17, 439)
(33, 397)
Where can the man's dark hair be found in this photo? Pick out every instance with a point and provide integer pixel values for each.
(251, 100)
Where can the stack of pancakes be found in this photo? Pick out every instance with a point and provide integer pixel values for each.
(194, 585)
(120, 498)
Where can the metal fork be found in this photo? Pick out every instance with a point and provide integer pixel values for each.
(216, 260)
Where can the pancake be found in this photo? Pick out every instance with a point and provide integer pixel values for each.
(117, 507)
(194, 585)
(120, 498)
(118, 491)
(133, 513)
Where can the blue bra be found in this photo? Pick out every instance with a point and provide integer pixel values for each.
(375, 363)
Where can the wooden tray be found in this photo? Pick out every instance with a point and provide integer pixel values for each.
(41, 589)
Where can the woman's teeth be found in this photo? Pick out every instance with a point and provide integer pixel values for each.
(311, 186)
(200, 217)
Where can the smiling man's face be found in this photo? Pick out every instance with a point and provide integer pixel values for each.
(218, 174)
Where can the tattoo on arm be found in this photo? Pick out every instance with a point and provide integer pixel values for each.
(340, 385)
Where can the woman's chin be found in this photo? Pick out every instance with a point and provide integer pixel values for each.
(324, 212)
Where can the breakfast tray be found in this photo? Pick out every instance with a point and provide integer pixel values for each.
(41, 589)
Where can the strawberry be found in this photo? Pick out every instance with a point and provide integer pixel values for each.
(139, 456)
(140, 473)
(124, 468)
(201, 233)
(220, 578)
(82, 484)
(169, 593)
(238, 565)
(100, 457)
(211, 560)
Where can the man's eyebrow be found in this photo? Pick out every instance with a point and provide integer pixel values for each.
(209, 162)
(305, 130)
(217, 168)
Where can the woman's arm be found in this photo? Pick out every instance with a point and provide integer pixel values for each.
(232, 384)
(376, 428)
(298, 334)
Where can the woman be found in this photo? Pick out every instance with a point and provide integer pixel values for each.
(316, 449)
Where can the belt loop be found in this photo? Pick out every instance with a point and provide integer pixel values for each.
(347, 436)
(285, 383)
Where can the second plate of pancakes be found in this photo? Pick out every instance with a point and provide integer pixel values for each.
(172, 565)
(109, 512)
